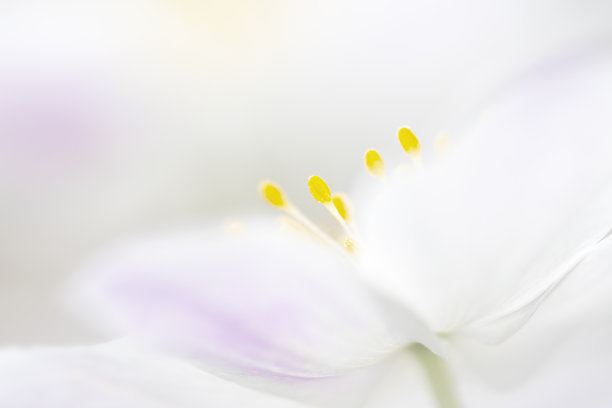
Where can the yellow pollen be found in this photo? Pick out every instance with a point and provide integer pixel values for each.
(319, 189)
(374, 163)
(341, 203)
(273, 194)
(409, 141)
(298, 221)
(349, 244)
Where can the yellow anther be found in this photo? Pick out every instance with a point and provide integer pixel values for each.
(298, 221)
(273, 194)
(349, 244)
(409, 141)
(374, 163)
(341, 202)
(319, 189)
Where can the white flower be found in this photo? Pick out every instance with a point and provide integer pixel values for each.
(115, 376)
(118, 110)
(456, 256)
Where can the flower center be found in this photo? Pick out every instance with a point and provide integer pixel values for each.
(338, 204)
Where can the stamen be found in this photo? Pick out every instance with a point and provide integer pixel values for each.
(374, 163)
(273, 194)
(442, 142)
(321, 192)
(409, 141)
(342, 204)
(290, 224)
(349, 244)
(319, 189)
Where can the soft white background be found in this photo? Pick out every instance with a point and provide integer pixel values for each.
(119, 117)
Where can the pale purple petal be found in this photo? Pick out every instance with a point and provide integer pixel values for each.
(263, 304)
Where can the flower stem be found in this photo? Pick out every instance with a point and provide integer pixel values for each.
(440, 379)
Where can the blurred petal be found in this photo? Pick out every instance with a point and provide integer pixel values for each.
(107, 376)
(561, 357)
(576, 277)
(484, 235)
(264, 303)
(348, 390)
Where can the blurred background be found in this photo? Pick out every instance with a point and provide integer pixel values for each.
(122, 117)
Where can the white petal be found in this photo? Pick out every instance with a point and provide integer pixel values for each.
(349, 390)
(485, 233)
(575, 280)
(107, 376)
(264, 303)
(560, 358)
